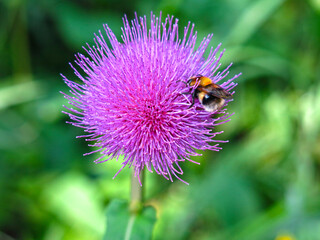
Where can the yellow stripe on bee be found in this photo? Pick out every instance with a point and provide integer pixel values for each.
(285, 237)
(201, 96)
(204, 81)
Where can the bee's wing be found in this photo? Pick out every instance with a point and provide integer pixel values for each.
(219, 92)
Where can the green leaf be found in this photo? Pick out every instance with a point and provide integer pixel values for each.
(75, 201)
(20, 93)
(77, 24)
(251, 19)
(123, 225)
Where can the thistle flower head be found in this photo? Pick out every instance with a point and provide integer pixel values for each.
(131, 103)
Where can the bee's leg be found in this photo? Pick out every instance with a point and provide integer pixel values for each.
(193, 97)
(191, 103)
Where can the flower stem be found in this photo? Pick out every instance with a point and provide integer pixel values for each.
(136, 202)
(21, 63)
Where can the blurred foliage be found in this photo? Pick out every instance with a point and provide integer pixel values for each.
(264, 184)
(123, 225)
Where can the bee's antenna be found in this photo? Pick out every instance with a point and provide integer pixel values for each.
(183, 82)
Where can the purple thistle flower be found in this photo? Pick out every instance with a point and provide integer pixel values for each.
(131, 103)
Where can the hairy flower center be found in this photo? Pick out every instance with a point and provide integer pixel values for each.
(151, 115)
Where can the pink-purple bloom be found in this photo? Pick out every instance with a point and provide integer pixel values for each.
(130, 101)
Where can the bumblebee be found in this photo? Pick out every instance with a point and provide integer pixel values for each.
(210, 95)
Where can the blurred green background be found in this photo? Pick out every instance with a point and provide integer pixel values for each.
(264, 184)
